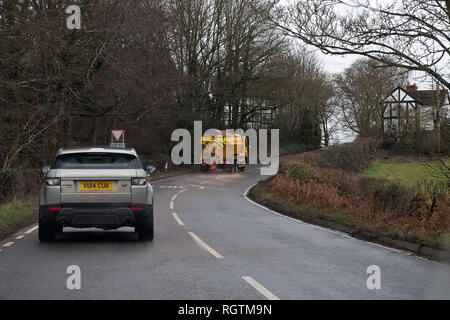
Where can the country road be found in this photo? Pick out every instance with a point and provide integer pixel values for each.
(213, 243)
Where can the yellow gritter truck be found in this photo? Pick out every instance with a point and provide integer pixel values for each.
(214, 151)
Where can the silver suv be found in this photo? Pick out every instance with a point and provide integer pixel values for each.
(96, 187)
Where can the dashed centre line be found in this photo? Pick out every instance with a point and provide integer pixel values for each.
(19, 237)
(8, 244)
(260, 288)
(205, 246)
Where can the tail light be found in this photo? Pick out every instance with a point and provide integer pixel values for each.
(138, 181)
(54, 182)
(54, 208)
(137, 208)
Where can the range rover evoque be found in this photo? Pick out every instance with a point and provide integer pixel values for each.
(98, 187)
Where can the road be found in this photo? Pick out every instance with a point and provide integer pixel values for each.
(213, 243)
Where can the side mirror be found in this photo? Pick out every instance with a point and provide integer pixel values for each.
(150, 169)
(45, 170)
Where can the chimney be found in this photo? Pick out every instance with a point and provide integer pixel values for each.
(411, 87)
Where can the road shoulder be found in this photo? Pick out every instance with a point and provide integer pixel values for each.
(308, 215)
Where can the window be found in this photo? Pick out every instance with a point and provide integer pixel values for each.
(96, 161)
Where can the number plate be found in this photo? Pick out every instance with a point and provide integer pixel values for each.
(96, 185)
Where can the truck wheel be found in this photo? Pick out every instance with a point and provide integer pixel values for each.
(47, 230)
(144, 228)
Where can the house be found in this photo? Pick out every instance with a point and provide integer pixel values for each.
(410, 111)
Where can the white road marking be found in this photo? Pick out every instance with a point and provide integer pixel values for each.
(31, 229)
(205, 182)
(177, 218)
(293, 219)
(255, 284)
(174, 197)
(171, 205)
(19, 237)
(8, 244)
(178, 176)
(205, 246)
(182, 191)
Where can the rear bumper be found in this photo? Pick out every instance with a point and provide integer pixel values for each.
(100, 215)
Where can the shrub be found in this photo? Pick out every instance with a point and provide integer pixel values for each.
(5, 184)
(349, 157)
(18, 184)
(300, 173)
(390, 196)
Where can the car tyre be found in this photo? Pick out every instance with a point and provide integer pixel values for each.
(144, 228)
(47, 230)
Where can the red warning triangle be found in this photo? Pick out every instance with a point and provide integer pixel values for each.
(117, 134)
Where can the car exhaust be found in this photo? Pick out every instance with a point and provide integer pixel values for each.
(62, 223)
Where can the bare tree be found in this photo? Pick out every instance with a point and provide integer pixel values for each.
(328, 111)
(223, 48)
(360, 91)
(302, 92)
(62, 87)
(410, 34)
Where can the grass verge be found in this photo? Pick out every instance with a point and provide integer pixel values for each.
(17, 214)
(409, 174)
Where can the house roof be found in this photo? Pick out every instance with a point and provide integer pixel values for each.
(430, 97)
(424, 97)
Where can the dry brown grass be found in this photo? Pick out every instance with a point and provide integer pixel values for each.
(314, 180)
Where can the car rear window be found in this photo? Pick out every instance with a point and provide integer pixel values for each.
(96, 161)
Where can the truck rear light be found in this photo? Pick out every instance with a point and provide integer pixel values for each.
(137, 208)
(53, 181)
(54, 208)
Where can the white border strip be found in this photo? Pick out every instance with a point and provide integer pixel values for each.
(31, 229)
(318, 227)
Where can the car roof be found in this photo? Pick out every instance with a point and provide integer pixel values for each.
(130, 151)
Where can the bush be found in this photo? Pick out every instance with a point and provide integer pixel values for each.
(390, 196)
(349, 157)
(18, 184)
(5, 184)
(300, 173)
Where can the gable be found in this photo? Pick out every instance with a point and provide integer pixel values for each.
(400, 95)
